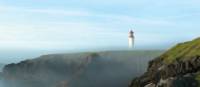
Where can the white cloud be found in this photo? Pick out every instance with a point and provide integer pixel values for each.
(60, 12)
(75, 12)
(136, 21)
(47, 34)
(71, 12)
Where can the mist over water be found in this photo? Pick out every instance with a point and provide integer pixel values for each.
(90, 69)
(1, 81)
(16, 55)
(1, 84)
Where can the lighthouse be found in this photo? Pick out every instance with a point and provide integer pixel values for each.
(131, 39)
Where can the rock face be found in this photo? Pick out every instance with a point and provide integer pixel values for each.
(1, 74)
(1, 66)
(178, 67)
(105, 69)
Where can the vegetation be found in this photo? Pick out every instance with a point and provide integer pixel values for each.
(178, 67)
(182, 51)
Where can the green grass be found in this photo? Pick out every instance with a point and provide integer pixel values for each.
(182, 51)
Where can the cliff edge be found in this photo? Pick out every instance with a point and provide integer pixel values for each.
(178, 67)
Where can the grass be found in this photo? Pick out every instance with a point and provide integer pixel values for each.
(182, 51)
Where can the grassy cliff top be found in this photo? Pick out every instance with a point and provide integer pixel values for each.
(182, 51)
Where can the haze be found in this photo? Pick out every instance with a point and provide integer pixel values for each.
(94, 24)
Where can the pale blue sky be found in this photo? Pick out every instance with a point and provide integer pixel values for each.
(85, 24)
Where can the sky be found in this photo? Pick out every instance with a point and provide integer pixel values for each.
(89, 24)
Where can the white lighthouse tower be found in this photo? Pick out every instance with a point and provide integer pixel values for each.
(131, 39)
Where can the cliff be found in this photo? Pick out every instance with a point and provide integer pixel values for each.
(1, 66)
(100, 69)
(178, 67)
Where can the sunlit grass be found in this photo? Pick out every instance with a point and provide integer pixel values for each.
(182, 51)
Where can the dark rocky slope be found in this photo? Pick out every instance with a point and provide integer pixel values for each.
(102, 69)
(178, 67)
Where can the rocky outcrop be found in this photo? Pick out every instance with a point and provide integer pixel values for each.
(180, 69)
(1, 66)
(1, 75)
(164, 75)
